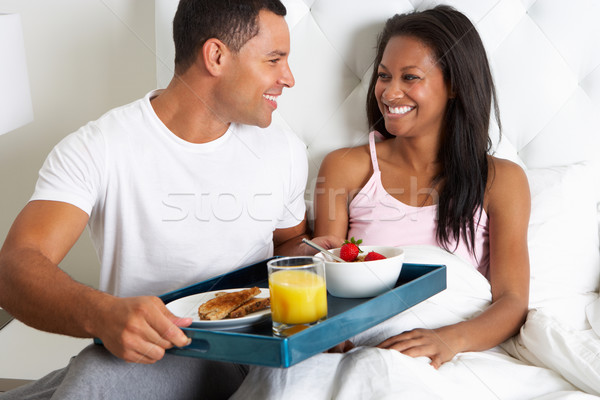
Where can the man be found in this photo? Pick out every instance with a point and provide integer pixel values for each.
(176, 187)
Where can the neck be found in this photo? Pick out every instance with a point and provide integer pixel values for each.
(419, 155)
(186, 111)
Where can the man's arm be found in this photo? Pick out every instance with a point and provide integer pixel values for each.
(36, 291)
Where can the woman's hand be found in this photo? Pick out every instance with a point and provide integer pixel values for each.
(433, 343)
(327, 242)
(342, 347)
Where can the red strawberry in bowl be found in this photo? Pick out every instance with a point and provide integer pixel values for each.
(372, 273)
(350, 250)
(373, 255)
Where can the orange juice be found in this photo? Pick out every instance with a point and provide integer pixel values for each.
(297, 297)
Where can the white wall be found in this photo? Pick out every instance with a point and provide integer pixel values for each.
(84, 57)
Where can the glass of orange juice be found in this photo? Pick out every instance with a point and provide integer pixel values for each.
(298, 293)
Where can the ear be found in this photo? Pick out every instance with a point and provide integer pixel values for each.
(214, 53)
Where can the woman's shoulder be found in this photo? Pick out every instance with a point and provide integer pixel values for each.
(507, 182)
(348, 155)
(503, 169)
(351, 165)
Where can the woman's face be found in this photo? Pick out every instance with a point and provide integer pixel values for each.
(410, 89)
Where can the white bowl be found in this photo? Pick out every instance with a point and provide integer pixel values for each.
(364, 278)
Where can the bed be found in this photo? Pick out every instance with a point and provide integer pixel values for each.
(546, 62)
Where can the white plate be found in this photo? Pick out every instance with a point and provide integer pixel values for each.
(187, 307)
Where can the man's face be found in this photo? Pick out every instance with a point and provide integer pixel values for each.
(257, 75)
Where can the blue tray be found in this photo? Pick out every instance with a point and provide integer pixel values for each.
(346, 318)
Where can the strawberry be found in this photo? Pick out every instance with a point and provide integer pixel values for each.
(350, 250)
(372, 256)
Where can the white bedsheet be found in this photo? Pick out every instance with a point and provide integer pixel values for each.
(546, 342)
(371, 373)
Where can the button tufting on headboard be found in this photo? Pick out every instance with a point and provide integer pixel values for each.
(544, 55)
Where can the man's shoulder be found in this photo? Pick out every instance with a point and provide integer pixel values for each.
(274, 136)
(130, 112)
(113, 123)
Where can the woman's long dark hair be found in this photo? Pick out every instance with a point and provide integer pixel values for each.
(465, 140)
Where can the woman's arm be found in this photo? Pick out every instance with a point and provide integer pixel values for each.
(508, 211)
(342, 174)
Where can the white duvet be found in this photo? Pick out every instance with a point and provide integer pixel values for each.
(370, 373)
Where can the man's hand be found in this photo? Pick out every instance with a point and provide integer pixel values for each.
(140, 329)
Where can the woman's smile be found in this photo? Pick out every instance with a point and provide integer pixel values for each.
(399, 111)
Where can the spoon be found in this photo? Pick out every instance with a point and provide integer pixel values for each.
(326, 252)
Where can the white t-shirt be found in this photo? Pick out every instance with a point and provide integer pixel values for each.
(166, 213)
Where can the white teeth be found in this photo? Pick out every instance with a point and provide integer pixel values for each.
(400, 110)
(269, 97)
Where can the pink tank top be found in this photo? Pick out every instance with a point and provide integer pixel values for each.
(378, 218)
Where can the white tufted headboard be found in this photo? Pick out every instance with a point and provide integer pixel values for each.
(545, 57)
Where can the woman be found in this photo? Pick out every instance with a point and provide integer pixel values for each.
(431, 181)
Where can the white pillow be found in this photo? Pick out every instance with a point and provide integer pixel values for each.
(563, 240)
(545, 342)
(592, 311)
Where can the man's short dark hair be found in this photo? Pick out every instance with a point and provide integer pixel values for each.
(233, 22)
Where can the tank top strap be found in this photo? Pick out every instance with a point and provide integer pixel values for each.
(373, 152)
